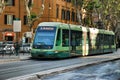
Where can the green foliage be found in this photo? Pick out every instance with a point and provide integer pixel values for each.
(33, 15)
(103, 8)
(86, 21)
(92, 5)
(97, 4)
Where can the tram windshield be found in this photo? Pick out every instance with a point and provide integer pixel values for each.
(44, 37)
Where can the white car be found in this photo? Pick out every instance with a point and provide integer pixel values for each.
(26, 47)
(9, 48)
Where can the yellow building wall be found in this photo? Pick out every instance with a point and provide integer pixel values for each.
(49, 14)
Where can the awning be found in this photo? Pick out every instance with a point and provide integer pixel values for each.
(9, 34)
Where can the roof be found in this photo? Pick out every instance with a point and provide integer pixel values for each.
(95, 30)
(76, 27)
(108, 32)
(49, 23)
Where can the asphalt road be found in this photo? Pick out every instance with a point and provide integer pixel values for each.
(20, 68)
(32, 66)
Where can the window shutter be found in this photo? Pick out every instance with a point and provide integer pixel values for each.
(13, 17)
(13, 2)
(25, 20)
(5, 19)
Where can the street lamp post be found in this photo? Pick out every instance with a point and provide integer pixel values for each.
(49, 8)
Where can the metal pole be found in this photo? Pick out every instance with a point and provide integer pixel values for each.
(49, 7)
(69, 38)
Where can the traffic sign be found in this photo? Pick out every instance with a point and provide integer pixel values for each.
(17, 25)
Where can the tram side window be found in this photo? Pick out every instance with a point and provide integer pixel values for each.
(106, 39)
(109, 40)
(58, 41)
(97, 41)
(112, 39)
(65, 37)
(100, 39)
(73, 38)
(77, 37)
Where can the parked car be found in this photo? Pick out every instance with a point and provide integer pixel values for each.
(25, 47)
(1, 47)
(9, 48)
(1, 42)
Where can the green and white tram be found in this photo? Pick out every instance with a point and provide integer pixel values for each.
(60, 40)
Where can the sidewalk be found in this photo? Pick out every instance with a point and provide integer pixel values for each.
(13, 58)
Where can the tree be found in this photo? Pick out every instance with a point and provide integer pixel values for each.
(88, 6)
(78, 5)
(110, 10)
(30, 16)
(2, 6)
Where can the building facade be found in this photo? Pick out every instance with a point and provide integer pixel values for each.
(54, 11)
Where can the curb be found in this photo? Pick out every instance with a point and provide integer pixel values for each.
(8, 61)
(3, 61)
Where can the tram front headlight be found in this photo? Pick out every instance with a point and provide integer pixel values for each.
(56, 51)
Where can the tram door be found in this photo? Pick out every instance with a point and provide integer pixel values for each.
(73, 41)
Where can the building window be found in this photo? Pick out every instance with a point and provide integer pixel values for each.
(30, 3)
(25, 20)
(68, 0)
(63, 14)
(73, 16)
(10, 2)
(9, 19)
(76, 18)
(57, 11)
(68, 15)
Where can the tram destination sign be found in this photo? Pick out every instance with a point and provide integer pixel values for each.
(46, 28)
